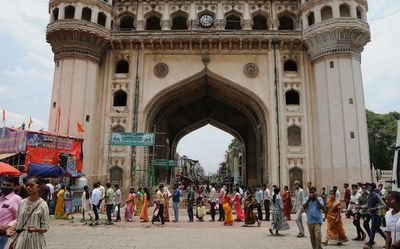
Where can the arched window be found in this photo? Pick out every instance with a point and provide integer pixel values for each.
(118, 128)
(153, 23)
(344, 10)
(326, 13)
(120, 97)
(179, 23)
(260, 22)
(116, 176)
(55, 14)
(359, 13)
(122, 67)
(294, 135)
(292, 97)
(69, 12)
(290, 66)
(233, 23)
(86, 14)
(101, 19)
(311, 18)
(286, 23)
(127, 23)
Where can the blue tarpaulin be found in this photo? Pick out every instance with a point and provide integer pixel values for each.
(45, 170)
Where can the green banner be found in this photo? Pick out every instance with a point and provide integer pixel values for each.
(164, 163)
(132, 139)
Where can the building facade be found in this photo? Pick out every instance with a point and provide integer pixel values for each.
(281, 76)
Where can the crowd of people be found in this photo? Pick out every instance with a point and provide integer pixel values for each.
(25, 209)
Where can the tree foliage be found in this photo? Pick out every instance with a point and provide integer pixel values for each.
(382, 130)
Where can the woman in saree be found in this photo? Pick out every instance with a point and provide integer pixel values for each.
(144, 216)
(166, 195)
(227, 205)
(59, 212)
(130, 205)
(237, 204)
(279, 222)
(285, 195)
(249, 204)
(139, 201)
(335, 230)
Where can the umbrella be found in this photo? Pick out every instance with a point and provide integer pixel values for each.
(8, 170)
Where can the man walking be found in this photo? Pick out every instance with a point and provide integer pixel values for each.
(221, 209)
(160, 203)
(314, 208)
(267, 202)
(298, 208)
(347, 196)
(190, 202)
(95, 200)
(260, 200)
(374, 203)
(176, 198)
(109, 200)
(9, 202)
(213, 202)
(118, 196)
(353, 209)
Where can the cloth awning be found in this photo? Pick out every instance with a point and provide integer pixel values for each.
(45, 170)
(7, 155)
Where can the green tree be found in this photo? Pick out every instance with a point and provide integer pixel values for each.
(382, 130)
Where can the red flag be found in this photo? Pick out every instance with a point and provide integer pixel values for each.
(79, 127)
(30, 122)
(4, 115)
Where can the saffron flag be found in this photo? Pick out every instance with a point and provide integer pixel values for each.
(80, 128)
(30, 122)
(4, 115)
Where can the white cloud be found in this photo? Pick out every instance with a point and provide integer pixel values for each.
(380, 68)
(3, 89)
(16, 72)
(41, 68)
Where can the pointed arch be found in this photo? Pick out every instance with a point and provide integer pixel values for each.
(233, 21)
(260, 20)
(179, 20)
(127, 21)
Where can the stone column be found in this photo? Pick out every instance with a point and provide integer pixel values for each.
(166, 18)
(247, 22)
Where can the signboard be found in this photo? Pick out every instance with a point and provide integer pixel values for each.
(132, 139)
(12, 141)
(49, 141)
(164, 163)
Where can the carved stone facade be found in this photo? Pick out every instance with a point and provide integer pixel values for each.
(277, 75)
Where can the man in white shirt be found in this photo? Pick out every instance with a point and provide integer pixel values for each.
(95, 200)
(393, 220)
(267, 202)
(213, 201)
(103, 194)
(298, 208)
(118, 197)
(353, 209)
(50, 198)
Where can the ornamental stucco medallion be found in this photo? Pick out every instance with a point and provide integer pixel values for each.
(161, 70)
(250, 70)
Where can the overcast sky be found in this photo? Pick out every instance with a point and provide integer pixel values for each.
(26, 71)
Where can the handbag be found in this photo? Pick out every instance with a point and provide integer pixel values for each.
(12, 245)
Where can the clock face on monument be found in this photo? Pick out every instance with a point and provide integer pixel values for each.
(206, 21)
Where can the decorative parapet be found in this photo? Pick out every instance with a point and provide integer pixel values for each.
(207, 40)
(75, 38)
(339, 35)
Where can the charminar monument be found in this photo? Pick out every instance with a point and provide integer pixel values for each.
(282, 76)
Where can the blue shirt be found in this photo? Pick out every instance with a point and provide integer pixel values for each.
(314, 214)
(259, 196)
(177, 194)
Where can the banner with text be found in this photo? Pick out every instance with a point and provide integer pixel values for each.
(132, 139)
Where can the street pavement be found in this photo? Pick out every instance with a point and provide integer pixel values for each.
(137, 235)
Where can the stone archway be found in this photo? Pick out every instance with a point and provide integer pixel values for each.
(210, 98)
(116, 176)
(295, 174)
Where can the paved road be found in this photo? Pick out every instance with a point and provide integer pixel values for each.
(137, 235)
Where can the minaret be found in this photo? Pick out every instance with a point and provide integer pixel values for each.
(79, 33)
(335, 33)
